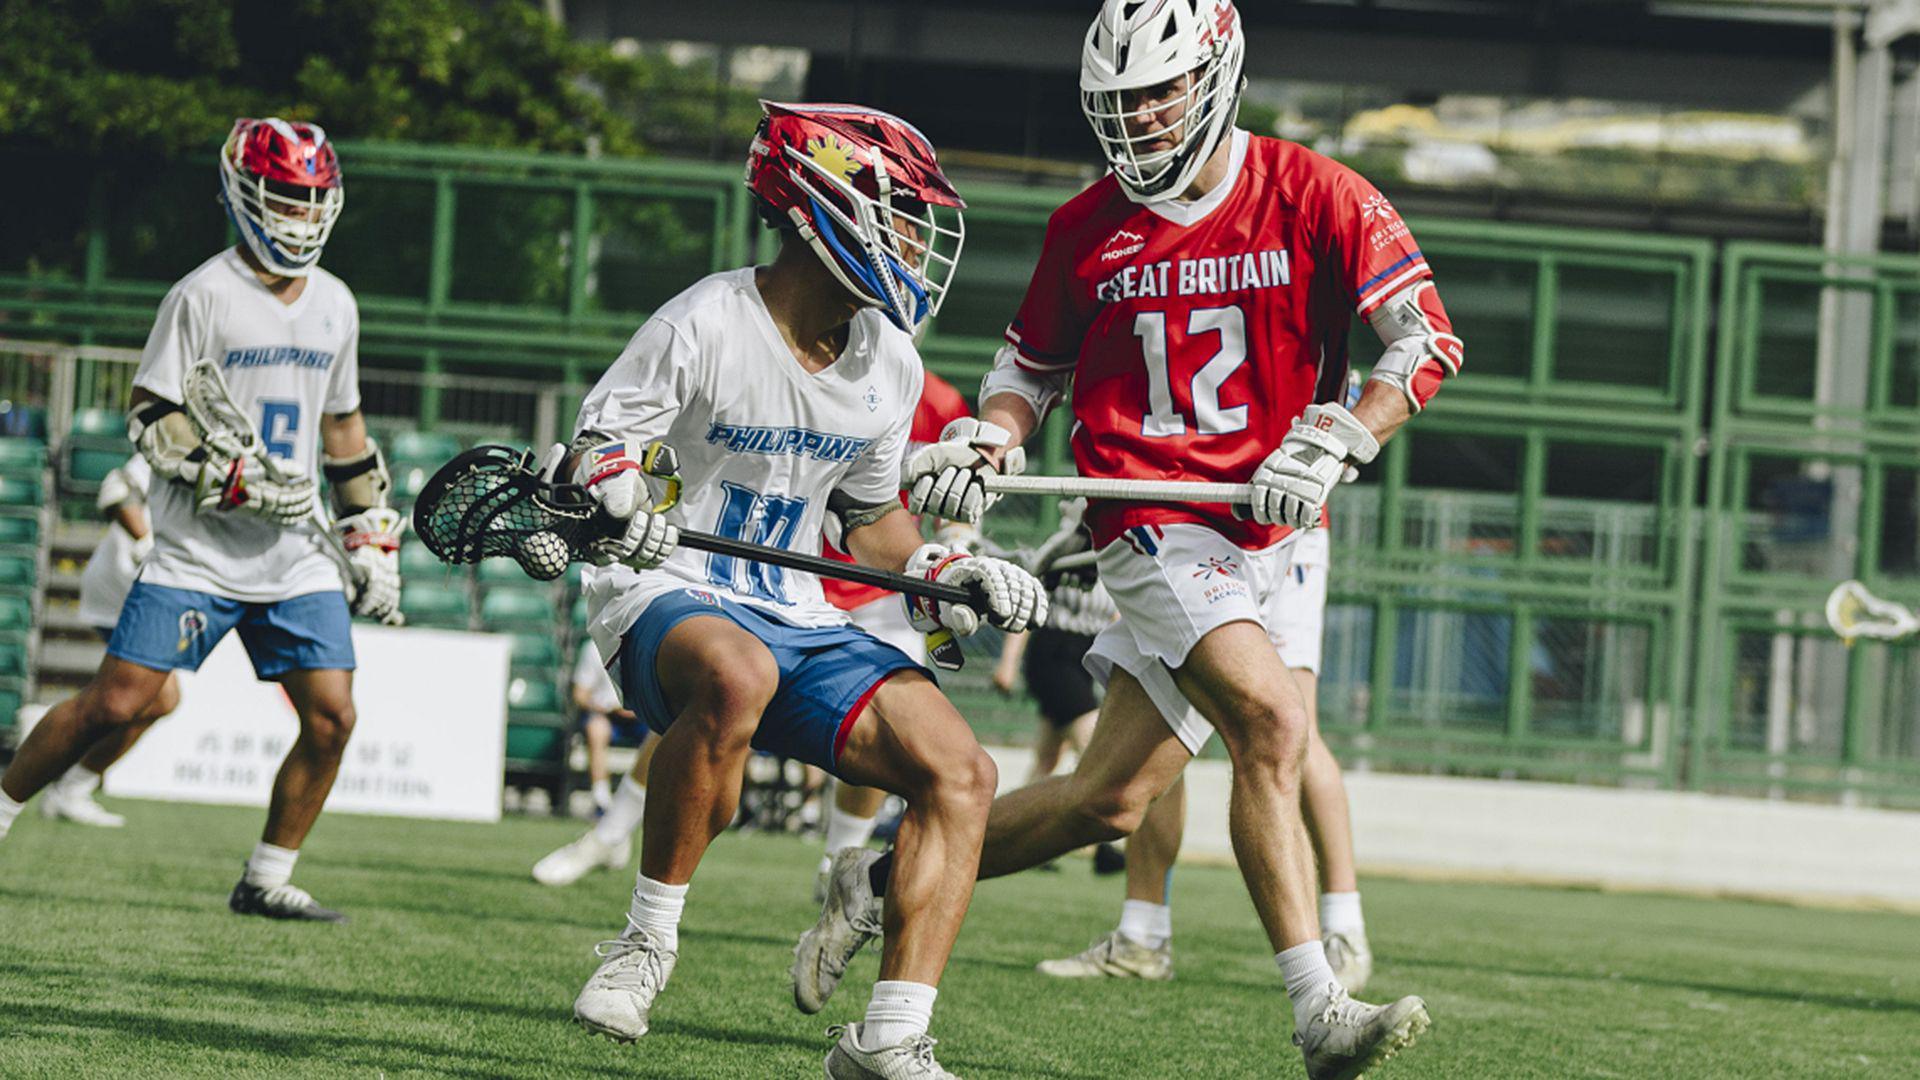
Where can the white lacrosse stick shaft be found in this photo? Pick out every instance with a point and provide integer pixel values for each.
(1129, 490)
(211, 407)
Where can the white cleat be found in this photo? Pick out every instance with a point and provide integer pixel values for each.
(1349, 1037)
(850, 917)
(1351, 960)
(1115, 956)
(569, 864)
(619, 995)
(911, 1059)
(80, 809)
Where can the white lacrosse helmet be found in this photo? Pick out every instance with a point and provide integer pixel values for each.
(280, 183)
(1136, 45)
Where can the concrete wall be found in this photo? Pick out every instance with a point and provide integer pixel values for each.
(1439, 826)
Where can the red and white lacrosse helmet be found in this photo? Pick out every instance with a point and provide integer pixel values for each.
(1136, 45)
(865, 191)
(280, 183)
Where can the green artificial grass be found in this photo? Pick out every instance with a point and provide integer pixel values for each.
(118, 958)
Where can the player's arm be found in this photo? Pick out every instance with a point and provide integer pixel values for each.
(172, 444)
(120, 504)
(886, 536)
(361, 490)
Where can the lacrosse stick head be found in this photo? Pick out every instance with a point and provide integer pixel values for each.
(490, 502)
(222, 424)
(1854, 612)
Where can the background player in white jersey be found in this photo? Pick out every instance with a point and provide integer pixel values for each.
(1197, 300)
(104, 583)
(232, 549)
(608, 843)
(1141, 946)
(789, 392)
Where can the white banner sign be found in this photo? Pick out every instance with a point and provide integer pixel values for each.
(430, 739)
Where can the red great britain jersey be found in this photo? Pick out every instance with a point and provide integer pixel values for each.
(940, 405)
(1197, 333)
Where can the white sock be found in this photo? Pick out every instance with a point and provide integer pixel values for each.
(8, 811)
(1340, 914)
(270, 866)
(602, 793)
(1307, 974)
(845, 831)
(1146, 922)
(77, 782)
(628, 806)
(898, 1011)
(656, 909)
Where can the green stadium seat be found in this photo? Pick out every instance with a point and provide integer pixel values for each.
(503, 572)
(416, 559)
(580, 613)
(16, 614)
(518, 609)
(88, 466)
(18, 455)
(533, 695)
(100, 422)
(538, 651)
(19, 532)
(20, 494)
(422, 446)
(13, 660)
(17, 572)
(9, 707)
(27, 423)
(427, 604)
(535, 742)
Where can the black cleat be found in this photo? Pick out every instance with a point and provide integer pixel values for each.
(1108, 859)
(279, 902)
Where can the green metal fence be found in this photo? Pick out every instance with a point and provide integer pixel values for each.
(1522, 583)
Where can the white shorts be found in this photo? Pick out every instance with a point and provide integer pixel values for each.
(1303, 603)
(886, 619)
(1174, 584)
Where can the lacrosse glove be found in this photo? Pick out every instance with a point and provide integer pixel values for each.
(1015, 599)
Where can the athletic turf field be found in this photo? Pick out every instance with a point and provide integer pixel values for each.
(118, 958)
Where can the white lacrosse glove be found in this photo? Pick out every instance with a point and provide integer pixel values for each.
(244, 484)
(1015, 599)
(1078, 606)
(372, 540)
(944, 478)
(617, 482)
(1070, 538)
(1292, 485)
(142, 547)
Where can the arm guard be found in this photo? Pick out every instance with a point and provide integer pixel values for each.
(1421, 349)
(852, 515)
(168, 440)
(1040, 392)
(359, 482)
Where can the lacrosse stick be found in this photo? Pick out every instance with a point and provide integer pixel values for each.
(491, 502)
(1129, 490)
(1853, 612)
(222, 425)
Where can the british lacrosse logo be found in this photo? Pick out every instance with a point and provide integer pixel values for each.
(1216, 565)
(1376, 206)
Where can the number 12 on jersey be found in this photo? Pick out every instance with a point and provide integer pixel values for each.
(1162, 419)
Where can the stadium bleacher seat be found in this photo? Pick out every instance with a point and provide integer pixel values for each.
(96, 445)
(27, 423)
(431, 447)
(22, 455)
(17, 573)
(428, 604)
(13, 660)
(536, 652)
(533, 695)
(20, 494)
(16, 615)
(515, 609)
(502, 572)
(19, 533)
(580, 614)
(9, 707)
(417, 561)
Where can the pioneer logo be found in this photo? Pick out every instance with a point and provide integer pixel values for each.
(1133, 241)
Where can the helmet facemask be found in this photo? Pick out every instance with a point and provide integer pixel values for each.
(890, 250)
(284, 224)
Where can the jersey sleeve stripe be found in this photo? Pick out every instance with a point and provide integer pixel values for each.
(1370, 298)
(1033, 361)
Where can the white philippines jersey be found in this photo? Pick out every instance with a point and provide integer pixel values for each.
(762, 444)
(110, 569)
(287, 365)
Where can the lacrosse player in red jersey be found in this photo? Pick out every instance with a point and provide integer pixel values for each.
(788, 392)
(233, 548)
(1197, 299)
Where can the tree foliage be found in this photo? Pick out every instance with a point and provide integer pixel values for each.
(165, 77)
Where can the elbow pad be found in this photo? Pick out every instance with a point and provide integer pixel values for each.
(359, 482)
(168, 440)
(1040, 392)
(1421, 350)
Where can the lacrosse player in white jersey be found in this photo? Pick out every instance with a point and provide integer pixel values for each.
(788, 392)
(235, 546)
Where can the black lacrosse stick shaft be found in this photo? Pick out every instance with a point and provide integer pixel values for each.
(972, 595)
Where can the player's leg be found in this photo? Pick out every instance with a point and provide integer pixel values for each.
(607, 844)
(1324, 791)
(598, 733)
(118, 693)
(851, 818)
(304, 643)
(70, 798)
(1047, 747)
(911, 741)
(705, 680)
(1141, 947)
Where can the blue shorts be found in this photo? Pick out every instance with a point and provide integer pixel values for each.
(826, 673)
(164, 628)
